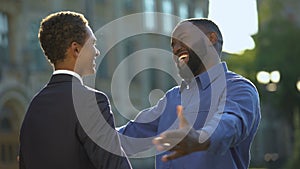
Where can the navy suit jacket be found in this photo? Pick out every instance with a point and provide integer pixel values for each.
(53, 137)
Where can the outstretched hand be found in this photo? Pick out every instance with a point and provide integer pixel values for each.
(180, 142)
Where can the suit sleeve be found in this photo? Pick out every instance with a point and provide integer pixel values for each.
(99, 137)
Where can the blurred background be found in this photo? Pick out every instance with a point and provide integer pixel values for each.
(271, 62)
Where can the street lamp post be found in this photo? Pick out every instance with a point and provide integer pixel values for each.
(270, 79)
(298, 85)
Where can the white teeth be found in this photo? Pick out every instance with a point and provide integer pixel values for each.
(167, 144)
(182, 57)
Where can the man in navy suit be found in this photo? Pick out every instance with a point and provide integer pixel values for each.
(61, 128)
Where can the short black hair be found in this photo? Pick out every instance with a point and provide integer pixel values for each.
(57, 32)
(210, 26)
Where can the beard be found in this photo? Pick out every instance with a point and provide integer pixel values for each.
(192, 68)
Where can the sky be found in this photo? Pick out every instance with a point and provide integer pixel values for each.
(237, 20)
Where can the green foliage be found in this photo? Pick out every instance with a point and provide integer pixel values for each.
(277, 48)
(243, 64)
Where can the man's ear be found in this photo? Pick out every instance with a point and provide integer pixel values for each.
(213, 37)
(75, 49)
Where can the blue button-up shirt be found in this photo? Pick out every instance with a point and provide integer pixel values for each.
(220, 102)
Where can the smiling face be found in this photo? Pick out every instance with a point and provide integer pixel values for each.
(86, 60)
(194, 47)
(187, 44)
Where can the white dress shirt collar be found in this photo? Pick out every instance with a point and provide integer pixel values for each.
(69, 73)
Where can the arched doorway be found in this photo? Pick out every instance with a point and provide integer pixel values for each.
(12, 110)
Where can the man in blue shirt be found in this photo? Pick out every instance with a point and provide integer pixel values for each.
(221, 108)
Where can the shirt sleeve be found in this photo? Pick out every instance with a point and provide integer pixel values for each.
(136, 134)
(237, 120)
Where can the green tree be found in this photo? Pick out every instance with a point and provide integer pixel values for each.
(277, 48)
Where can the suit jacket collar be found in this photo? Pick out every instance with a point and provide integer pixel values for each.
(60, 78)
(69, 72)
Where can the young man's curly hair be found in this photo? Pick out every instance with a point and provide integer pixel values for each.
(57, 32)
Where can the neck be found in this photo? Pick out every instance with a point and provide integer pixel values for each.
(200, 70)
(207, 66)
(64, 66)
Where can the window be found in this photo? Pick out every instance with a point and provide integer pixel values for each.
(3, 38)
(11, 154)
(129, 5)
(39, 62)
(198, 13)
(183, 10)
(149, 18)
(5, 122)
(7, 154)
(167, 20)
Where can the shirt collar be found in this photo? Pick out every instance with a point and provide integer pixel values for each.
(69, 73)
(206, 78)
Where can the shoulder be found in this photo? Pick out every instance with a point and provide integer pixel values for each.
(98, 92)
(237, 83)
(237, 79)
(100, 96)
